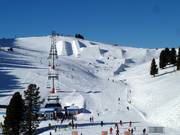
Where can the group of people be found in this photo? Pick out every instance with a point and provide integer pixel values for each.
(116, 128)
(130, 128)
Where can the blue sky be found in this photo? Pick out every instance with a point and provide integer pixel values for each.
(140, 23)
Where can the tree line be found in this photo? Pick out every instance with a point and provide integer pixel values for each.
(166, 57)
(22, 113)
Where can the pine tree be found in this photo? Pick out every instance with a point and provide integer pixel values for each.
(14, 115)
(154, 69)
(167, 56)
(173, 56)
(178, 60)
(32, 103)
(162, 61)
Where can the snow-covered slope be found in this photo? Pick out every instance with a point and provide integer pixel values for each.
(157, 97)
(95, 75)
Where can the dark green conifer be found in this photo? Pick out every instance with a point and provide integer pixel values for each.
(178, 60)
(32, 103)
(14, 115)
(154, 69)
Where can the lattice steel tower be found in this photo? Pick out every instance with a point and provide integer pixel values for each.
(53, 57)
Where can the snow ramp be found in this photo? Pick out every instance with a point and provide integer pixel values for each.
(68, 48)
(64, 48)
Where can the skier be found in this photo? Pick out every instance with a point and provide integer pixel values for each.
(111, 130)
(116, 126)
(117, 131)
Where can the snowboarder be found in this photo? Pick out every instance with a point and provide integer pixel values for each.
(128, 108)
(111, 130)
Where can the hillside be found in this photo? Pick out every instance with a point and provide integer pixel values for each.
(95, 75)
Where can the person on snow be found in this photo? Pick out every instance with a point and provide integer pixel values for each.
(110, 130)
(132, 131)
(102, 123)
(130, 123)
(144, 131)
(120, 122)
(117, 131)
(90, 119)
(116, 126)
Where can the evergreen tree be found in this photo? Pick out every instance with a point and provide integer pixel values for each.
(32, 103)
(162, 61)
(14, 115)
(79, 36)
(154, 69)
(178, 60)
(167, 56)
(173, 56)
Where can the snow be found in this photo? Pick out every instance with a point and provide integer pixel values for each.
(74, 99)
(96, 75)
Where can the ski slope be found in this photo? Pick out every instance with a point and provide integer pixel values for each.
(95, 75)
